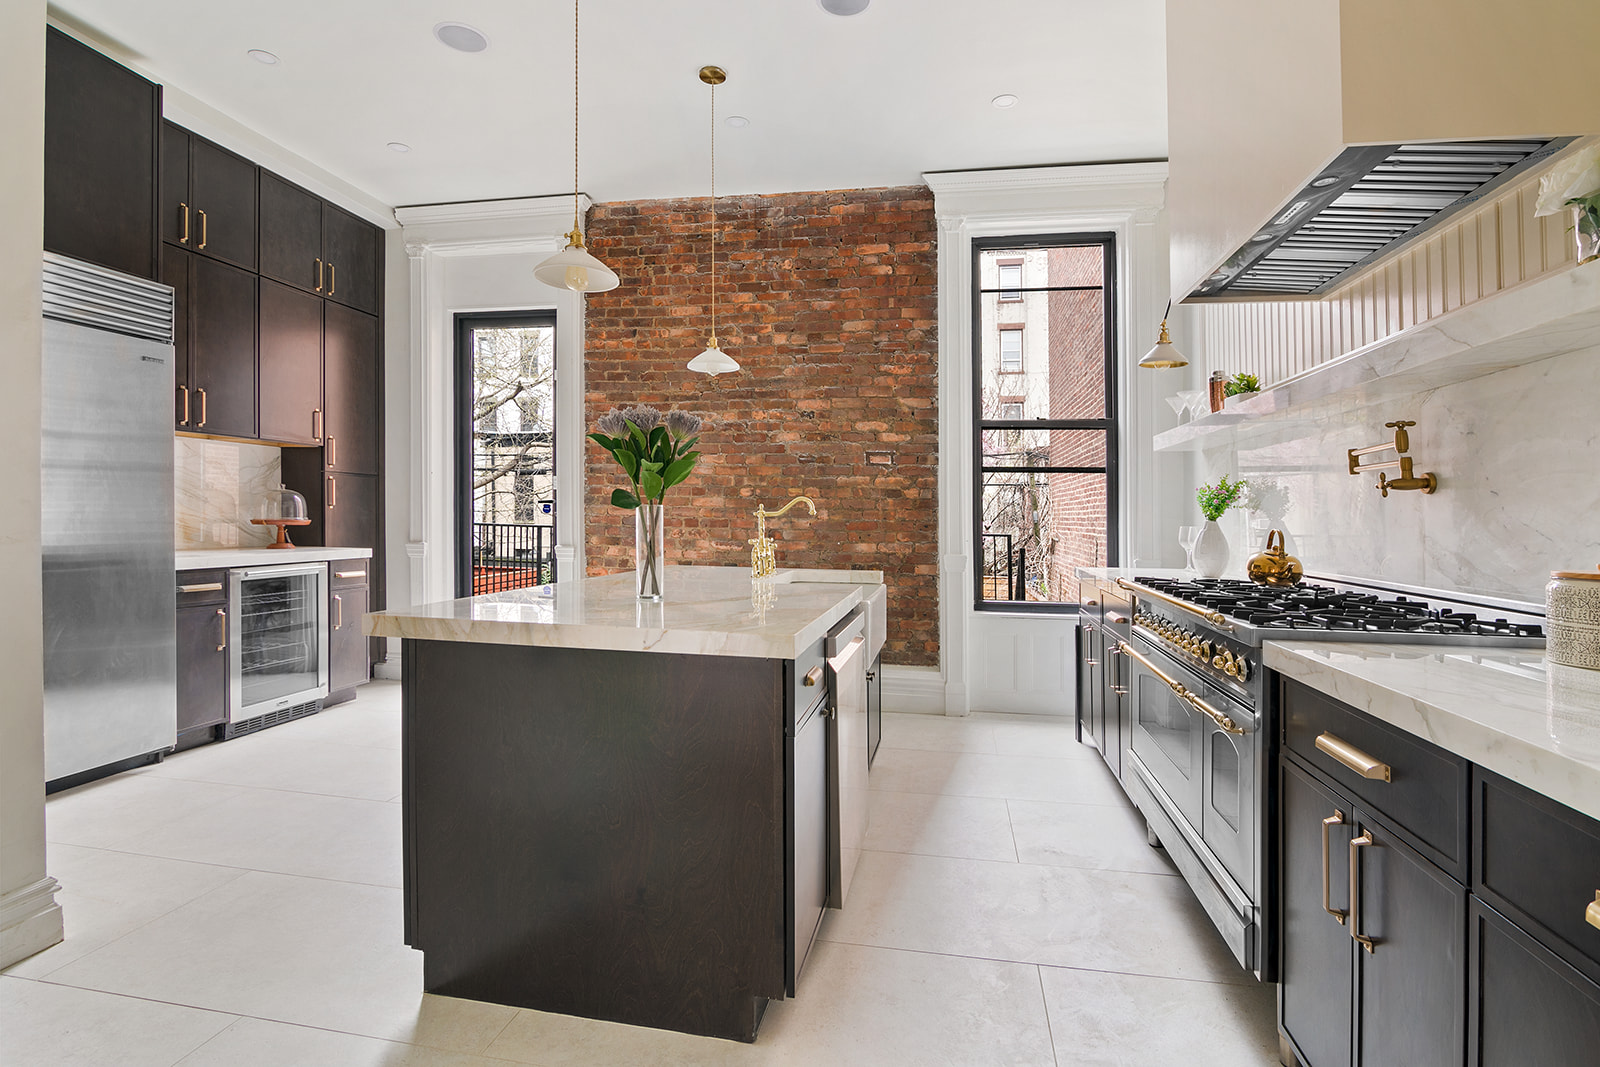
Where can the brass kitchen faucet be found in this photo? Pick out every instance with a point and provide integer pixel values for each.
(763, 557)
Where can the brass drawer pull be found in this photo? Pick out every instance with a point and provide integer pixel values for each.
(333, 452)
(1353, 758)
(222, 630)
(185, 238)
(316, 424)
(204, 587)
(1591, 914)
(1224, 722)
(338, 612)
(202, 422)
(333, 492)
(333, 278)
(318, 289)
(202, 215)
(1356, 845)
(349, 574)
(1120, 620)
(813, 676)
(185, 420)
(1336, 819)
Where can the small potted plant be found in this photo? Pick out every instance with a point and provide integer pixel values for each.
(1240, 387)
(1211, 550)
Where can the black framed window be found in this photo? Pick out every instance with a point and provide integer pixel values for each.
(1044, 416)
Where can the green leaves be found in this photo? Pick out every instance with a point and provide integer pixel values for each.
(654, 462)
(1215, 499)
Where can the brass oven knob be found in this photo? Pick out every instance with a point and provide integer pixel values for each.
(1216, 661)
(1244, 669)
(1205, 649)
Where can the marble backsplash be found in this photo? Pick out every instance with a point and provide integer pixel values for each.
(1515, 453)
(218, 487)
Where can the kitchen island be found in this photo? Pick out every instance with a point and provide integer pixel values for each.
(616, 809)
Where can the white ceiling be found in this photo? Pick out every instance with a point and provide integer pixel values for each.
(869, 100)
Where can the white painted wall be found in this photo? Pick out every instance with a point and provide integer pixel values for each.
(29, 918)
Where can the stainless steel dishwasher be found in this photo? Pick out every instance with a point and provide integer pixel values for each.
(846, 653)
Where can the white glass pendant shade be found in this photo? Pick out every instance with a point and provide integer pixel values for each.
(713, 361)
(574, 268)
(1164, 354)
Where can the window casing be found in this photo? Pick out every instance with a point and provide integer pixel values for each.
(1045, 487)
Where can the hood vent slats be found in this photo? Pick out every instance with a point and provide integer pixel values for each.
(1362, 204)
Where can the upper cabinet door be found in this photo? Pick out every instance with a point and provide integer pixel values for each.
(350, 247)
(291, 365)
(101, 141)
(223, 208)
(177, 211)
(222, 349)
(291, 235)
(351, 373)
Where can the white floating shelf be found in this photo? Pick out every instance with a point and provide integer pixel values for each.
(1547, 317)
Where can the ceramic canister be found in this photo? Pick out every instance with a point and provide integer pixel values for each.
(1572, 604)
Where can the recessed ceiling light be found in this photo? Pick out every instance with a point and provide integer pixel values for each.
(263, 56)
(1004, 100)
(399, 146)
(460, 36)
(844, 7)
(738, 122)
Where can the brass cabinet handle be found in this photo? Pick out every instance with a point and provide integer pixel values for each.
(333, 453)
(203, 587)
(1591, 914)
(1118, 619)
(202, 215)
(202, 395)
(333, 278)
(1336, 819)
(316, 424)
(338, 613)
(1353, 757)
(1215, 617)
(222, 630)
(333, 492)
(185, 238)
(1226, 724)
(185, 420)
(349, 574)
(813, 676)
(1091, 603)
(1356, 845)
(319, 277)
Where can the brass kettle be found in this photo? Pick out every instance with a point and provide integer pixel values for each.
(1275, 566)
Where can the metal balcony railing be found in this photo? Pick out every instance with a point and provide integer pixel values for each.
(1005, 570)
(511, 555)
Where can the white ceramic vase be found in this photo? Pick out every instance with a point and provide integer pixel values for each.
(1211, 551)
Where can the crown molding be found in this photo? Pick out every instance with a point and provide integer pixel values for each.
(537, 211)
(1067, 177)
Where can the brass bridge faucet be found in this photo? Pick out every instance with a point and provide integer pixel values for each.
(1426, 482)
(763, 557)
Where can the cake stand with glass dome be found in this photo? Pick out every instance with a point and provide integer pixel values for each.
(282, 508)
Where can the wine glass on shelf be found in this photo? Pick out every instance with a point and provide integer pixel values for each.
(1188, 537)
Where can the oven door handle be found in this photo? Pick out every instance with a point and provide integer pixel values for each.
(1215, 618)
(1226, 724)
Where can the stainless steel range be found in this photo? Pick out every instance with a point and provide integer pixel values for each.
(1203, 718)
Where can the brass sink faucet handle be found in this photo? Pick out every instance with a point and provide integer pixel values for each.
(763, 555)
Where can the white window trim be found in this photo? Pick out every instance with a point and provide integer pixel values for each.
(1015, 330)
(1125, 199)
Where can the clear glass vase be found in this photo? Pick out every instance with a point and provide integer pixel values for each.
(649, 556)
(1586, 231)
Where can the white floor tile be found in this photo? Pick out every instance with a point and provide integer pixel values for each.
(1124, 1020)
(46, 1025)
(937, 733)
(119, 812)
(933, 825)
(549, 1040)
(371, 720)
(276, 759)
(976, 774)
(1057, 916)
(105, 895)
(1016, 735)
(296, 950)
(258, 1043)
(1109, 837)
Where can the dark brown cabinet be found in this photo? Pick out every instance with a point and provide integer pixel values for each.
(347, 646)
(291, 365)
(202, 654)
(1314, 1003)
(313, 245)
(215, 326)
(101, 148)
(353, 388)
(208, 198)
(1529, 1006)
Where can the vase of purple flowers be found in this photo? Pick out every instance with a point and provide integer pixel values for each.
(656, 452)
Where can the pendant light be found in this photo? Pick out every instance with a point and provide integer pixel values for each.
(1164, 354)
(713, 360)
(573, 267)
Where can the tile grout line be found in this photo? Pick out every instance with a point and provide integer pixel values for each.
(1049, 1027)
(231, 867)
(1012, 826)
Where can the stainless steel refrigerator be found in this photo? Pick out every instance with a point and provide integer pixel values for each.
(110, 671)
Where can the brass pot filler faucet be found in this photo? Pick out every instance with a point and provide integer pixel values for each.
(1401, 444)
(763, 558)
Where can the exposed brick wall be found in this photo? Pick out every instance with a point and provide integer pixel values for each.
(1077, 391)
(829, 303)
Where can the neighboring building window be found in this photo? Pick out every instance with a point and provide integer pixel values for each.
(1011, 349)
(1045, 493)
(1010, 279)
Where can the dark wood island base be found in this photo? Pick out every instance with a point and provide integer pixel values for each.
(599, 833)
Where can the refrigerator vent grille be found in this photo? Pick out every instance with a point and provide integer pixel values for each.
(230, 730)
(83, 293)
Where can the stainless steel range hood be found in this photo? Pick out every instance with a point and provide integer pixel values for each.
(1365, 203)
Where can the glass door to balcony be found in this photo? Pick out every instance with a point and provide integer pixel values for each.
(505, 451)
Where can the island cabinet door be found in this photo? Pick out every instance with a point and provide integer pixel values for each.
(1314, 993)
(1528, 1005)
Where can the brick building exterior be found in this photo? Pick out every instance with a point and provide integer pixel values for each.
(829, 303)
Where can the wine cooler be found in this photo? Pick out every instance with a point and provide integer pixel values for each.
(278, 645)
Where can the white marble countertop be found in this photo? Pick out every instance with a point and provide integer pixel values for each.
(190, 559)
(705, 611)
(1508, 711)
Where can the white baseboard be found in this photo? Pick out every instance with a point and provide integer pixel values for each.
(30, 921)
(913, 689)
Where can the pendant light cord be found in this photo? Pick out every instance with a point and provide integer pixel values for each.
(575, 227)
(713, 213)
